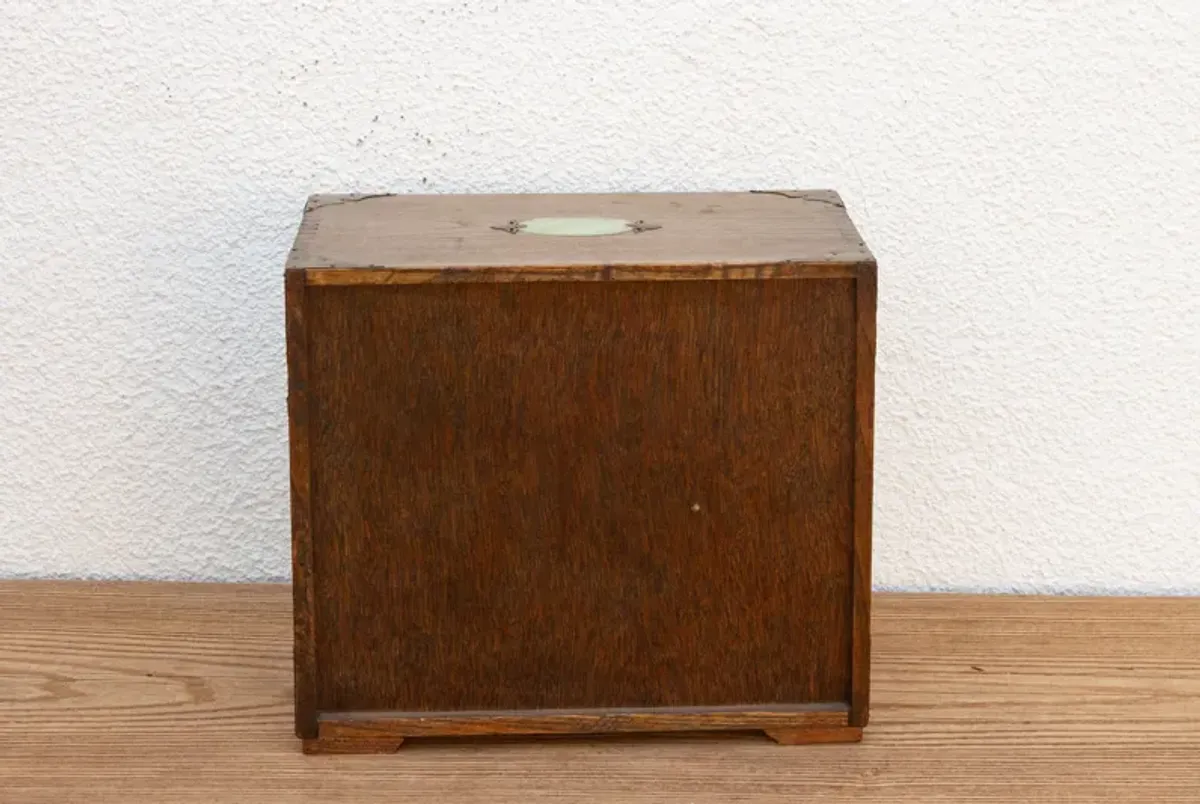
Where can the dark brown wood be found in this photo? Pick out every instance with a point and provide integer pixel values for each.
(561, 496)
(295, 290)
(619, 496)
(864, 472)
(845, 734)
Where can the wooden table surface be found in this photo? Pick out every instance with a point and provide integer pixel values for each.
(182, 693)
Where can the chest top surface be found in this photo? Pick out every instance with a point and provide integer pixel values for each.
(575, 231)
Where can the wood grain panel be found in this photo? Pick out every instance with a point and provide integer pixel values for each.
(381, 726)
(181, 694)
(454, 232)
(548, 496)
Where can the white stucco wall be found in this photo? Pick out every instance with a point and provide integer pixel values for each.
(1026, 172)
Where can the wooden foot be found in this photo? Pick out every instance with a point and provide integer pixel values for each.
(384, 732)
(358, 745)
(841, 734)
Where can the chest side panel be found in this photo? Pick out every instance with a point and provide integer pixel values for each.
(564, 495)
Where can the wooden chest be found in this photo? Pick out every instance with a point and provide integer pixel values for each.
(580, 463)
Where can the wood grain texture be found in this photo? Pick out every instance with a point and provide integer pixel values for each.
(863, 503)
(583, 273)
(342, 728)
(844, 734)
(449, 233)
(182, 694)
(295, 290)
(355, 743)
(575, 496)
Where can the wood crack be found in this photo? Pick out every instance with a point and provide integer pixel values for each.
(801, 195)
(350, 199)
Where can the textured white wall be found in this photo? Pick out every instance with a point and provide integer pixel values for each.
(1026, 172)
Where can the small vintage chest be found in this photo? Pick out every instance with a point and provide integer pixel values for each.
(580, 463)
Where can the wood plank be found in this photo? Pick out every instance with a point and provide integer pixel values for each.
(580, 273)
(295, 303)
(458, 232)
(864, 479)
(553, 496)
(183, 693)
(343, 726)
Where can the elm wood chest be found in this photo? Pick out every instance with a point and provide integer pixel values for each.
(580, 463)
